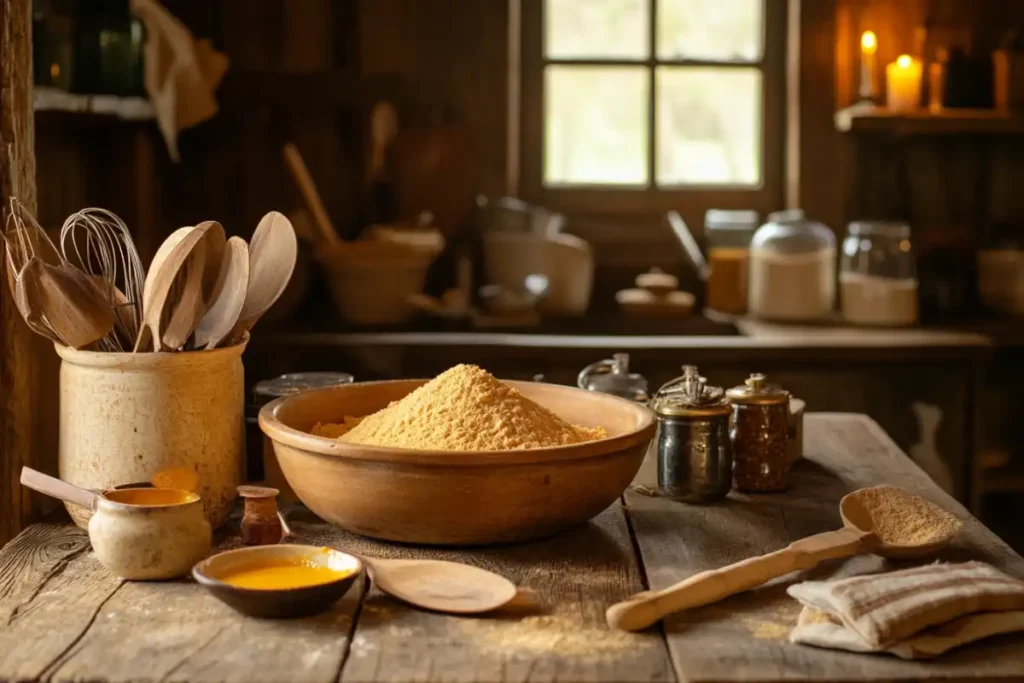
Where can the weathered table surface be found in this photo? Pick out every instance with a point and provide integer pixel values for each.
(64, 617)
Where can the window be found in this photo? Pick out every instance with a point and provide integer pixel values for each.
(644, 104)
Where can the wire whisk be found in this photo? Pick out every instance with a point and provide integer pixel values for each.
(99, 242)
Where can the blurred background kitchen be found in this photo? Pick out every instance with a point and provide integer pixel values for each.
(826, 191)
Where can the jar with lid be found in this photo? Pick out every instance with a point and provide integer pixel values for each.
(760, 434)
(728, 235)
(694, 450)
(878, 274)
(613, 377)
(261, 465)
(792, 272)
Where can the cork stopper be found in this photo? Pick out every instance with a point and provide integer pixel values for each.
(260, 523)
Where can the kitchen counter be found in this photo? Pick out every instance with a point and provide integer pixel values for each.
(64, 617)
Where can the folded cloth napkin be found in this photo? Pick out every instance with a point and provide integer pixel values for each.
(914, 613)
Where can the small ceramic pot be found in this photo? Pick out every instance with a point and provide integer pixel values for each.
(149, 541)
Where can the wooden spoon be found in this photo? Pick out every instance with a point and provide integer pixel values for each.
(228, 296)
(156, 293)
(435, 585)
(855, 538)
(293, 158)
(272, 255)
(192, 292)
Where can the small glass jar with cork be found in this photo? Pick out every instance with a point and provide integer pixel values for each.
(760, 436)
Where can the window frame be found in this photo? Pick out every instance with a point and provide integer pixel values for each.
(651, 199)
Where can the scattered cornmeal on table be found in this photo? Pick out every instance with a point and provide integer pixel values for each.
(462, 409)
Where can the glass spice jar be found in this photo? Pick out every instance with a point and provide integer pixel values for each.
(760, 435)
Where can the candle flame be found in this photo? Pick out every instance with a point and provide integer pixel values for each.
(904, 61)
(868, 42)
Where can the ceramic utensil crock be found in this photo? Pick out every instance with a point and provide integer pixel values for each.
(126, 416)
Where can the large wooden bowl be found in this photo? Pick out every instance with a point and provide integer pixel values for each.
(456, 498)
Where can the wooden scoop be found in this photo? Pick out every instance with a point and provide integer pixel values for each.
(857, 537)
(435, 585)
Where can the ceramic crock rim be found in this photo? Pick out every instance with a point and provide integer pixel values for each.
(322, 446)
(211, 581)
(128, 359)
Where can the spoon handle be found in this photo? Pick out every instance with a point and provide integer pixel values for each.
(707, 587)
(58, 489)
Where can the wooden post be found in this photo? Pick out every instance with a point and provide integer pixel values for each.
(18, 179)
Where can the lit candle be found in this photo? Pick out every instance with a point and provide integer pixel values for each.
(868, 47)
(903, 83)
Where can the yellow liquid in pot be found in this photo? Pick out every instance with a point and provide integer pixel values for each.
(150, 497)
(283, 576)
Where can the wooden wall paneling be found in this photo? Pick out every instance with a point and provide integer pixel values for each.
(816, 155)
(450, 52)
(18, 389)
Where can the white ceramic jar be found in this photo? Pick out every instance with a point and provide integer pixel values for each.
(126, 416)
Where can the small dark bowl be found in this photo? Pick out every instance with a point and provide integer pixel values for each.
(281, 603)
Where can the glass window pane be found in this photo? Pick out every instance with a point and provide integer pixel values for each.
(709, 126)
(713, 30)
(595, 125)
(596, 29)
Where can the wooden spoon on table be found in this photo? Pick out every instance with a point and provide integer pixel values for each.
(855, 538)
(435, 585)
(228, 296)
(272, 255)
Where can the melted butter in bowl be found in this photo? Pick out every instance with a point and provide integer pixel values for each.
(279, 581)
(285, 576)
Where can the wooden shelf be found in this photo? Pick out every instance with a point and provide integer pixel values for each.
(124, 108)
(870, 119)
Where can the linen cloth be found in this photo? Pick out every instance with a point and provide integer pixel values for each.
(914, 613)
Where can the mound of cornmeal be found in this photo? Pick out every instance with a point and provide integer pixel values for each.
(462, 409)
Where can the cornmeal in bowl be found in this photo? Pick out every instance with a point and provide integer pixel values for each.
(462, 409)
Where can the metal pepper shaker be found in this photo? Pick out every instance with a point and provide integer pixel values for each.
(694, 450)
(760, 435)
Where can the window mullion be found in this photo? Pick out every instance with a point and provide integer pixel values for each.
(652, 95)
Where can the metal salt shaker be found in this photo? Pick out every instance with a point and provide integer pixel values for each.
(694, 450)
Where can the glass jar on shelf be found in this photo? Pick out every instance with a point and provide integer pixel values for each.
(878, 274)
(728, 235)
(792, 271)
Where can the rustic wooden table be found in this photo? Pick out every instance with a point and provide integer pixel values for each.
(64, 617)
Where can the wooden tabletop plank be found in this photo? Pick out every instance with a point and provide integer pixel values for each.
(68, 618)
(746, 637)
(559, 633)
(51, 589)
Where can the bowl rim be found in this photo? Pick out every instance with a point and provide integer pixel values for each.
(201, 577)
(328, 447)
